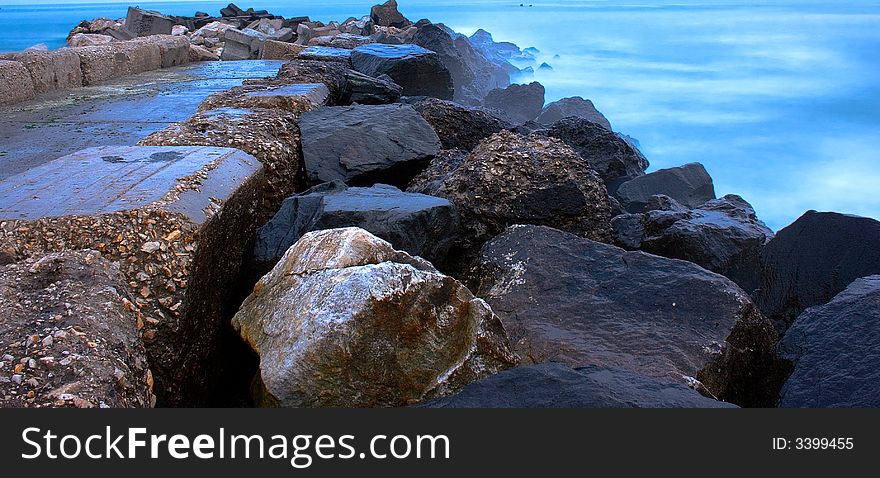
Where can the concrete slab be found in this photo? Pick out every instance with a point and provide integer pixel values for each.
(116, 112)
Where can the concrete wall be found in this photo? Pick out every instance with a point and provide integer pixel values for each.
(15, 82)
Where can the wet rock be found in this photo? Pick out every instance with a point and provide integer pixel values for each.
(835, 350)
(296, 98)
(724, 236)
(567, 299)
(690, 185)
(574, 106)
(614, 159)
(342, 40)
(50, 70)
(88, 351)
(344, 320)
(555, 385)
(417, 70)
(366, 90)
(278, 50)
(421, 225)
(441, 168)
(325, 53)
(510, 179)
(143, 23)
(366, 144)
(814, 259)
(16, 83)
(346, 86)
(517, 104)
(198, 203)
(387, 15)
(459, 127)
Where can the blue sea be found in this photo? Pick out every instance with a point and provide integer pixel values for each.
(779, 99)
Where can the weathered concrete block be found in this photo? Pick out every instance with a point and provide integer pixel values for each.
(279, 50)
(103, 62)
(174, 50)
(296, 98)
(16, 83)
(143, 23)
(242, 44)
(50, 70)
(177, 220)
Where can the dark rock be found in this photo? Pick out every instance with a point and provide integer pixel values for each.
(614, 159)
(366, 144)
(326, 53)
(835, 349)
(724, 236)
(509, 179)
(417, 70)
(814, 259)
(441, 168)
(143, 23)
(421, 225)
(573, 106)
(232, 10)
(499, 53)
(555, 385)
(346, 86)
(366, 90)
(517, 103)
(459, 127)
(568, 299)
(387, 15)
(690, 185)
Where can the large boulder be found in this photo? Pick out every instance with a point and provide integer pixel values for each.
(835, 350)
(616, 160)
(88, 39)
(387, 15)
(499, 53)
(344, 320)
(510, 179)
(69, 335)
(723, 235)
(417, 70)
(176, 219)
(295, 97)
(517, 103)
(690, 185)
(118, 59)
(346, 86)
(173, 50)
(143, 23)
(421, 225)
(50, 70)
(16, 83)
(574, 106)
(568, 299)
(814, 259)
(457, 126)
(366, 144)
(556, 385)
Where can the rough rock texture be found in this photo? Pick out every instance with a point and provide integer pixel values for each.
(510, 179)
(143, 23)
(690, 185)
(114, 60)
(50, 70)
(88, 39)
(343, 40)
(574, 106)
(69, 335)
(270, 135)
(459, 127)
(16, 83)
(173, 50)
(366, 144)
(814, 259)
(568, 299)
(326, 53)
(555, 385)
(387, 15)
(279, 50)
(420, 225)
(344, 320)
(177, 219)
(296, 98)
(346, 86)
(835, 349)
(614, 159)
(517, 103)
(442, 166)
(724, 236)
(417, 70)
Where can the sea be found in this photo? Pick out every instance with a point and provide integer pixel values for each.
(780, 100)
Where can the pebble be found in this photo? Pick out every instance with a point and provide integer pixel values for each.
(32, 363)
(61, 335)
(33, 382)
(8, 358)
(17, 378)
(48, 341)
(150, 247)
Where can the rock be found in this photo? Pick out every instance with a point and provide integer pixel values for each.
(342, 40)
(344, 320)
(366, 90)
(324, 53)
(835, 350)
(88, 39)
(346, 86)
(115, 29)
(213, 30)
(690, 185)
(114, 60)
(387, 15)
(107, 365)
(277, 50)
(421, 225)
(16, 83)
(517, 103)
(510, 179)
(179, 30)
(574, 106)
(417, 70)
(555, 385)
(459, 127)
(296, 98)
(567, 299)
(724, 236)
(814, 259)
(173, 51)
(365, 144)
(200, 53)
(50, 70)
(271, 135)
(614, 159)
(232, 10)
(143, 23)
(198, 202)
(499, 53)
(441, 168)
(242, 44)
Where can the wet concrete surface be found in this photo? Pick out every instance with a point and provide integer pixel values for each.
(119, 112)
